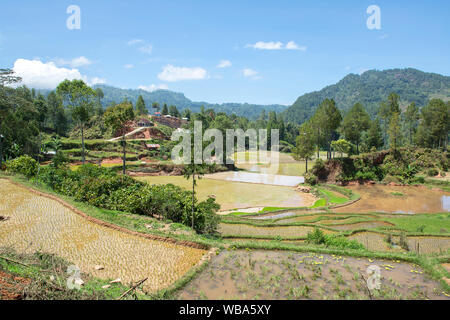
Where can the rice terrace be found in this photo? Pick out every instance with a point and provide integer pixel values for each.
(108, 193)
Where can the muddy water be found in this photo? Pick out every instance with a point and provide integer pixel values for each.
(286, 275)
(236, 195)
(38, 223)
(379, 198)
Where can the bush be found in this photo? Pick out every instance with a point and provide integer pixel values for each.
(311, 179)
(24, 165)
(104, 188)
(432, 172)
(316, 237)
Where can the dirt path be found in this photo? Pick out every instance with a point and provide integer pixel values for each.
(39, 223)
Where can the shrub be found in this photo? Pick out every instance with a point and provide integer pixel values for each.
(319, 169)
(316, 237)
(104, 188)
(24, 165)
(432, 172)
(311, 179)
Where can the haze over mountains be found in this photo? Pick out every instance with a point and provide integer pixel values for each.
(251, 111)
(370, 88)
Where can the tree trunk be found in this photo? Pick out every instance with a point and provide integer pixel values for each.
(82, 144)
(124, 153)
(318, 144)
(1, 147)
(193, 197)
(306, 159)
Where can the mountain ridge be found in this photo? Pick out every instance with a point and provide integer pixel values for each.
(252, 111)
(371, 88)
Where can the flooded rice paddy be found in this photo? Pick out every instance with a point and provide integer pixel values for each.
(38, 223)
(287, 165)
(398, 199)
(288, 275)
(262, 178)
(237, 195)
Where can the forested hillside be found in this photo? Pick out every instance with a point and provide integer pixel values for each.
(117, 95)
(371, 88)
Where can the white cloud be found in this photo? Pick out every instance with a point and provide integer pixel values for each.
(261, 45)
(39, 75)
(171, 73)
(249, 73)
(96, 80)
(146, 49)
(153, 87)
(74, 63)
(224, 64)
(135, 41)
(128, 66)
(291, 45)
(272, 45)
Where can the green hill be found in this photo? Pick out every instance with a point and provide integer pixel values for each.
(251, 111)
(372, 87)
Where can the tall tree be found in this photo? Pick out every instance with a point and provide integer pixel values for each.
(394, 131)
(140, 106)
(328, 119)
(412, 117)
(173, 111)
(98, 106)
(342, 146)
(116, 117)
(155, 106)
(165, 110)
(6, 77)
(355, 122)
(79, 97)
(374, 137)
(57, 116)
(305, 143)
(434, 125)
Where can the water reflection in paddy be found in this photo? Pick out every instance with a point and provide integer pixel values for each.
(272, 179)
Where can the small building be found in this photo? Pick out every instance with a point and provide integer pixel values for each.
(152, 146)
(144, 122)
(157, 114)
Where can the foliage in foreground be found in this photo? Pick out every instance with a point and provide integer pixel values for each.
(106, 189)
(45, 277)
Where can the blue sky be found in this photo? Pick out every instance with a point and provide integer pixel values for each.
(218, 51)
